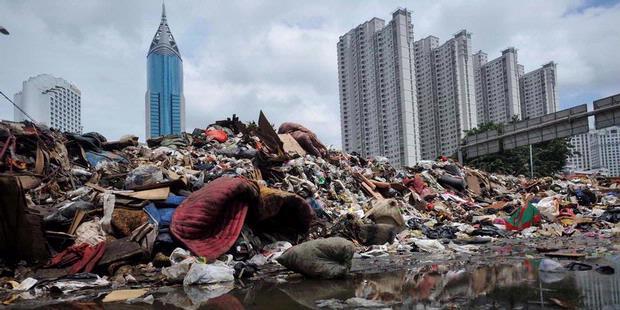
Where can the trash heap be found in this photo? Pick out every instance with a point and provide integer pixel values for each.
(80, 212)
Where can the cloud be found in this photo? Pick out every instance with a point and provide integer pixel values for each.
(279, 56)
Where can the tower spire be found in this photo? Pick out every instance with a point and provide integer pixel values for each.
(163, 41)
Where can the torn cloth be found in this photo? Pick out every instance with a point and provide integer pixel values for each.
(82, 257)
(525, 217)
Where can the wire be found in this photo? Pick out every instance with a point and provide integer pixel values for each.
(20, 109)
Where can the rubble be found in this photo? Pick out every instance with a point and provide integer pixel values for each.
(230, 200)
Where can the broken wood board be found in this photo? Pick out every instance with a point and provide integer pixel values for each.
(366, 188)
(39, 161)
(77, 220)
(160, 193)
(149, 194)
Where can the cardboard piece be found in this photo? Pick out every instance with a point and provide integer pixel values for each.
(290, 145)
(473, 183)
(268, 136)
(122, 295)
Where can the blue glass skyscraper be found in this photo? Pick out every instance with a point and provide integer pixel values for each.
(165, 103)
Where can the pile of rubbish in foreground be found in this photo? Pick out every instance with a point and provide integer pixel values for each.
(79, 212)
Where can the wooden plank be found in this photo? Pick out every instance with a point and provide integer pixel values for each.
(149, 194)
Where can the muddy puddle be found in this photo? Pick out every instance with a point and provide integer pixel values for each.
(509, 284)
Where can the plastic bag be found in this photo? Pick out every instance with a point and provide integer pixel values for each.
(274, 250)
(431, 246)
(217, 135)
(178, 271)
(181, 260)
(62, 218)
(209, 273)
(179, 255)
(143, 175)
(549, 207)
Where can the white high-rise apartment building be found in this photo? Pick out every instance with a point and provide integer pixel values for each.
(497, 87)
(597, 149)
(378, 110)
(520, 71)
(50, 101)
(538, 92)
(608, 147)
(479, 60)
(583, 148)
(446, 93)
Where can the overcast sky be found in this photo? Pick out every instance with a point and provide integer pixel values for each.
(280, 56)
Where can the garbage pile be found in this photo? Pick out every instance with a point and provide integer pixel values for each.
(79, 212)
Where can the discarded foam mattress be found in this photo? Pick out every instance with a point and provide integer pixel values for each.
(209, 221)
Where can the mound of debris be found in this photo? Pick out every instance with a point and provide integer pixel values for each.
(78, 212)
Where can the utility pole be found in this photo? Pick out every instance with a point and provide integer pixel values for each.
(531, 163)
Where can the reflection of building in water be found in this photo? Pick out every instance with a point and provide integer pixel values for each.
(599, 291)
(438, 284)
(503, 284)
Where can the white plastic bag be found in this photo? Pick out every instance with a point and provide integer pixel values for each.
(209, 273)
(178, 271)
(179, 255)
(466, 248)
(274, 250)
(181, 260)
(428, 245)
(549, 207)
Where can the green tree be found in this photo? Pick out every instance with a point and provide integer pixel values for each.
(549, 157)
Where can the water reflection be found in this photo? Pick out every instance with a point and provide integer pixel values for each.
(505, 285)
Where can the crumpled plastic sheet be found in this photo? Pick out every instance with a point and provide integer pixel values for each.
(216, 272)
